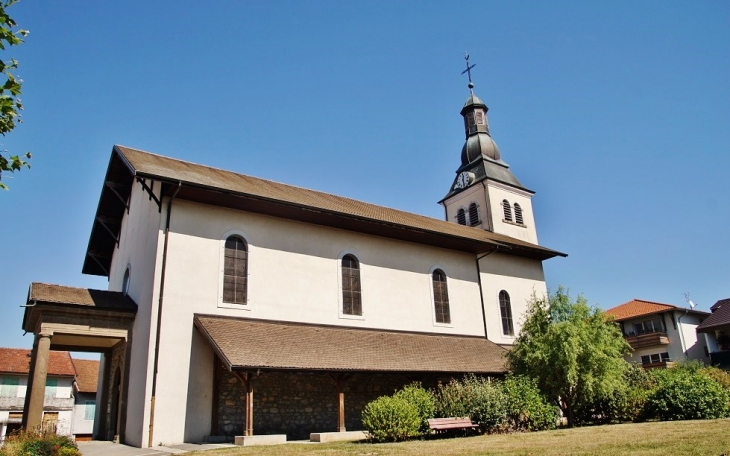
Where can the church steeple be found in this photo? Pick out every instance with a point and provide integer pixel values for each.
(476, 126)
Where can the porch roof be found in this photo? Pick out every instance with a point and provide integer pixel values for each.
(243, 343)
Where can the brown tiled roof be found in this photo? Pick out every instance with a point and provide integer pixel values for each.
(720, 316)
(261, 344)
(639, 308)
(59, 294)
(152, 165)
(17, 361)
(87, 375)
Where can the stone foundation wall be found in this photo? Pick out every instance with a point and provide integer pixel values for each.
(299, 403)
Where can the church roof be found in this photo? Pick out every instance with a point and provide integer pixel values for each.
(243, 343)
(229, 189)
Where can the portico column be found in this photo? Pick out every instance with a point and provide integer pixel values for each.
(36, 390)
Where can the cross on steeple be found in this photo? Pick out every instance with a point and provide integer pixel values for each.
(468, 72)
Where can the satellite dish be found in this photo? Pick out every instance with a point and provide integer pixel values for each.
(692, 304)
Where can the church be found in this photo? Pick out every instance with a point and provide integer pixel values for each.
(239, 306)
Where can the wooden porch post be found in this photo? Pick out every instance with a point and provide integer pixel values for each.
(340, 380)
(246, 378)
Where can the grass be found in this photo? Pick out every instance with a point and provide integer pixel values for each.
(702, 437)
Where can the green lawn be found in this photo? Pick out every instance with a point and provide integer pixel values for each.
(702, 437)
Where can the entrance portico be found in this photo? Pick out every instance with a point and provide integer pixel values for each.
(79, 319)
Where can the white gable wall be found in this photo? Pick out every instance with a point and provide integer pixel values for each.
(499, 192)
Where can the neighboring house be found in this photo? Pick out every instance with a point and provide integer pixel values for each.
(660, 334)
(58, 403)
(233, 298)
(87, 377)
(716, 332)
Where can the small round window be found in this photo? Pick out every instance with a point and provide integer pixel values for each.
(125, 282)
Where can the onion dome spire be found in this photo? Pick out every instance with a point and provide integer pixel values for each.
(476, 126)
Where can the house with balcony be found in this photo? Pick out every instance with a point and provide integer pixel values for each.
(716, 332)
(660, 334)
(58, 403)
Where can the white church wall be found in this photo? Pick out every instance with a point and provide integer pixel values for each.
(519, 277)
(141, 235)
(499, 192)
(293, 276)
(200, 389)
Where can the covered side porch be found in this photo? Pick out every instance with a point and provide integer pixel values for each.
(82, 320)
(716, 330)
(300, 379)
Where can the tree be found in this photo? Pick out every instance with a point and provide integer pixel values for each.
(574, 351)
(10, 103)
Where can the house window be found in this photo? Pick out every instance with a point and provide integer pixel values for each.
(648, 326)
(505, 309)
(441, 297)
(518, 215)
(89, 410)
(461, 217)
(507, 210)
(51, 387)
(9, 386)
(473, 214)
(351, 296)
(235, 271)
(655, 358)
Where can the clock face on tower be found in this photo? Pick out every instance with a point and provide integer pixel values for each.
(463, 180)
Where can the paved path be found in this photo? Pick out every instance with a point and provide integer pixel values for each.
(100, 448)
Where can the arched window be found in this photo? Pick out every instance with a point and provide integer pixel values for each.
(235, 271)
(518, 215)
(351, 296)
(473, 214)
(461, 217)
(441, 297)
(125, 282)
(507, 210)
(505, 309)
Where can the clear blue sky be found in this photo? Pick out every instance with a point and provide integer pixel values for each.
(615, 113)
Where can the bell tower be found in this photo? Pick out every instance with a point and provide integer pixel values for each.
(485, 194)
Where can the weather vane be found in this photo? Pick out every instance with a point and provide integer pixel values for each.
(468, 72)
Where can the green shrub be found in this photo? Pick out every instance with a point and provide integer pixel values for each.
(717, 374)
(391, 419)
(34, 444)
(478, 398)
(526, 408)
(421, 399)
(685, 393)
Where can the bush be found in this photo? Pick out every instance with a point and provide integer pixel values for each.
(685, 393)
(421, 399)
(34, 444)
(475, 397)
(391, 419)
(717, 374)
(526, 408)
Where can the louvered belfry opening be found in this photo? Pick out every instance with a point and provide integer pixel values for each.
(461, 217)
(505, 308)
(507, 210)
(473, 214)
(441, 297)
(234, 274)
(518, 214)
(351, 297)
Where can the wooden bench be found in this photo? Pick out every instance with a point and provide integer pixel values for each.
(447, 424)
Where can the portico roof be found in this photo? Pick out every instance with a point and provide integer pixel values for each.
(243, 343)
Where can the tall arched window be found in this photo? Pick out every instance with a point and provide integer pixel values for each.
(441, 297)
(235, 271)
(351, 296)
(473, 214)
(461, 217)
(507, 210)
(505, 309)
(125, 282)
(518, 215)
